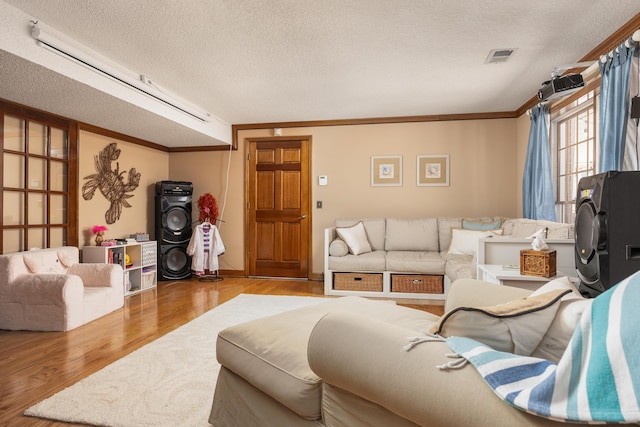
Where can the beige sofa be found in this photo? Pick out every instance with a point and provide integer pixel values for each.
(341, 363)
(442, 246)
(50, 290)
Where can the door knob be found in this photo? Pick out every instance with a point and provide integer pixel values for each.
(302, 217)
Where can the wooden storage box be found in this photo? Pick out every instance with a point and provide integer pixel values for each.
(537, 263)
(370, 282)
(419, 284)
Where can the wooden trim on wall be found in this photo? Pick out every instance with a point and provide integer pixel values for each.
(234, 147)
(34, 114)
(614, 40)
(370, 121)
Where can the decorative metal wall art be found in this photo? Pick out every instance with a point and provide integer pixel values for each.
(111, 182)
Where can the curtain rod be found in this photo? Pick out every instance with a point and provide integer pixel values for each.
(635, 37)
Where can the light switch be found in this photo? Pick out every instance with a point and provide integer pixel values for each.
(323, 180)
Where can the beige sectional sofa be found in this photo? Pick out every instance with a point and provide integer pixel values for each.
(341, 363)
(429, 252)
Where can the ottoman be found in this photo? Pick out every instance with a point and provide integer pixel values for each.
(265, 378)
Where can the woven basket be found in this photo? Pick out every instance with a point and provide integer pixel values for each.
(370, 282)
(419, 284)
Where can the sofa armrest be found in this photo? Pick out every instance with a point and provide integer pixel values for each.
(478, 293)
(99, 275)
(329, 236)
(43, 289)
(364, 357)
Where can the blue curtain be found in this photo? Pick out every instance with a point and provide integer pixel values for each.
(538, 201)
(614, 89)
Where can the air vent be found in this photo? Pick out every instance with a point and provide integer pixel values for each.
(499, 56)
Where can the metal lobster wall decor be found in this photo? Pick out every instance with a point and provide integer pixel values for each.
(111, 182)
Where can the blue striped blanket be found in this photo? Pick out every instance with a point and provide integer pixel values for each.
(596, 380)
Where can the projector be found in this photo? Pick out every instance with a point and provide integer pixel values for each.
(560, 86)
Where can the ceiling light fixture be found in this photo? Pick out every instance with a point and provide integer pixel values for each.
(144, 85)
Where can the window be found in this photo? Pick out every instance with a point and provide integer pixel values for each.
(574, 151)
(38, 171)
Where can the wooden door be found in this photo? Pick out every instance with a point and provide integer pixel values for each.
(278, 204)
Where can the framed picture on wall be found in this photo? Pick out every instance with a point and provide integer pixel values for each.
(433, 171)
(386, 171)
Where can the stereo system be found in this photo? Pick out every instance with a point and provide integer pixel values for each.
(607, 229)
(173, 228)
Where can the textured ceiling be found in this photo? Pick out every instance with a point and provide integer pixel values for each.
(299, 60)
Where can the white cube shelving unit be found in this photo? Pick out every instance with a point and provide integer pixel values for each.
(140, 275)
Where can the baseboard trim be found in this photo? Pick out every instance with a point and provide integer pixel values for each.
(317, 277)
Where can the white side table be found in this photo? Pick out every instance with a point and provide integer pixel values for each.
(510, 276)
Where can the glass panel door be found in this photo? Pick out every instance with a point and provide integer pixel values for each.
(36, 191)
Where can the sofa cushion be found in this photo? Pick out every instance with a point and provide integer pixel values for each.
(375, 228)
(414, 234)
(460, 267)
(445, 224)
(465, 242)
(271, 353)
(415, 262)
(372, 261)
(481, 224)
(515, 327)
(524, 227)
(338, 248)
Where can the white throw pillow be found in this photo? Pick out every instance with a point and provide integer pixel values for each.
(465, 242)
(356, 238)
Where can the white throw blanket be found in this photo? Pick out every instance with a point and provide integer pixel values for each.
(596, 380)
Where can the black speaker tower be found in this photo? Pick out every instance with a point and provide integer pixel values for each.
(173, 229)
(607, 229)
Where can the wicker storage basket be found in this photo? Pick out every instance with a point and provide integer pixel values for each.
(537, 263)
(419, 284)
(371, 282)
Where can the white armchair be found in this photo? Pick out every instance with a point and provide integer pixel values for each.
(50, 290)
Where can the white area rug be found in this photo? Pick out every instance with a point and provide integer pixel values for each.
(168, 382)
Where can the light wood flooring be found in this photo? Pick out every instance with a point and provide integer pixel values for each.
(35, 365)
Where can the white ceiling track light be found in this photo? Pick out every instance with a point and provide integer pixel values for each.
(143, 85)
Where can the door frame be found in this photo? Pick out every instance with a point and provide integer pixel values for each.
(247, 226)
